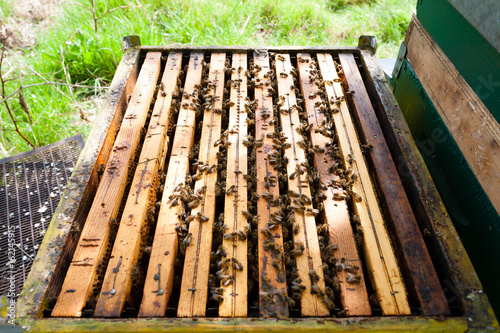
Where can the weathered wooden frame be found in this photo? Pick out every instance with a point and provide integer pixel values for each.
(62, 234)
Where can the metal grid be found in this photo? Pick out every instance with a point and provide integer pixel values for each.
(31, 185)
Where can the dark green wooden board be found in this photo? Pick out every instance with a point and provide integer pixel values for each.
(475, 218)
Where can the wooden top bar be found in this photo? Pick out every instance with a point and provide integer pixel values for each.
(354, 296)
(380, 258)
(308, 257)
(126, 250)
(79, 280)
(414, 258)
(271, 260)
(235, 300)
(160, 274)
(194, 288)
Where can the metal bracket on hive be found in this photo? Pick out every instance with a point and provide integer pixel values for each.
(368, 43)
(130, 41)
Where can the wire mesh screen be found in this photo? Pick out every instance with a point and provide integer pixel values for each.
(31, 185)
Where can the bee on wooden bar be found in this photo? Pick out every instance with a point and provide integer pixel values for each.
(312, 211)
(351, 278)
(187, 240)
(356, 196)
(226, 281)
(193, 204)
(222, 263)
(202, 217)
(314, 276)
(305, 198)
(267, 233)
(241, 235)
(230, 189)
(237, 264)
(231, 235)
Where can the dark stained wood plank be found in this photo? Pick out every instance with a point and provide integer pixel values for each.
(268, 182)
(354, 296)
(160, 274)
(118, 278)
(78, 283)
(194, 287)
(447, 251)
(422, 280)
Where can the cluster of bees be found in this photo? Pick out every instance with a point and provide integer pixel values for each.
(289, 202)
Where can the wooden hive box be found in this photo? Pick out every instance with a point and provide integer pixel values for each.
(227, 188)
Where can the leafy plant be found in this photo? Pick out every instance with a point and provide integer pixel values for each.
(76, 55)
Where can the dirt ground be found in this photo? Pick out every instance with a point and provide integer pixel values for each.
(29, 16)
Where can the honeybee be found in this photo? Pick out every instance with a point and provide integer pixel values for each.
(237, 264)
(230, 189)
(202, 217)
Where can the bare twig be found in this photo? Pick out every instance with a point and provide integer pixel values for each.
(17, 78)
(5, 102)
(24, 105)
(22, 100)
(94, 15)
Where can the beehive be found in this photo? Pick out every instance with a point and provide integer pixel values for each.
(251, 188)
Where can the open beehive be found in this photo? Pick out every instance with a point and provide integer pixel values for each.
(227, 186)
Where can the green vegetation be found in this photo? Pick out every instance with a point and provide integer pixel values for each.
(73, 49)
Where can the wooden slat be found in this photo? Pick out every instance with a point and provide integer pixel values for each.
(49, 268)
(380, 259)
(310, 259)
(118, 281)
(354, 296)
(415, 260)
(275, 277)
(78, 283)
(473, 127)
(160, 274)
(194, 287)
(235, 293)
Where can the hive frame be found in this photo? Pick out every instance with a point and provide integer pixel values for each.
(462, 282)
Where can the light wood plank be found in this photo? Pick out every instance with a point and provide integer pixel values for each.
(380, 259)
(310, 259)
(235, 292)
(266, 174)
(354, 296)
(51, 263)
(160, 274)
(194, 287)
(415, 261)
(117, 281)
(471, 124)
(77, 286)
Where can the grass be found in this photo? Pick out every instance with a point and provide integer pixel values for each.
(71, 45)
